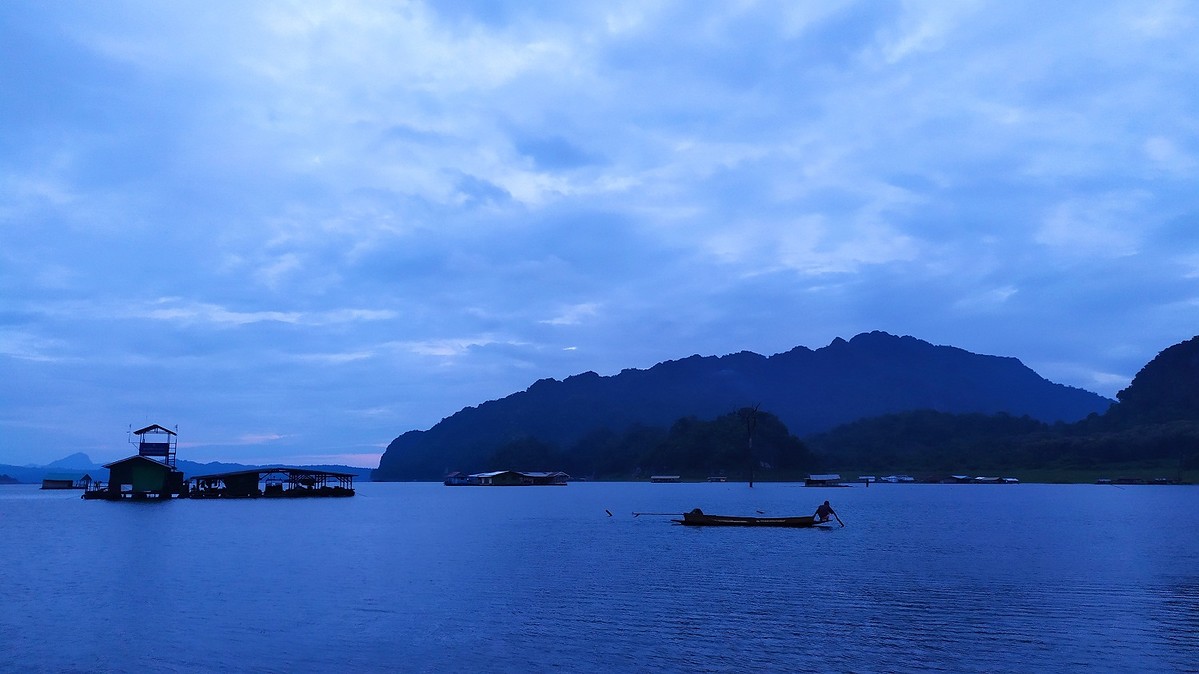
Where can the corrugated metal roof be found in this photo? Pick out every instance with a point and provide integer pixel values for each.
(272, 469)
(525, 473)
(138, 457)
(155, 428)
(66, 476)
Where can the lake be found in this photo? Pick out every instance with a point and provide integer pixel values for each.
(422, 577)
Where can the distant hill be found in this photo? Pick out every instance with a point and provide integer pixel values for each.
(26, 474)
(76, 461)
(1165, 390)
(807, 390)
(191, 468)
(1154, 427)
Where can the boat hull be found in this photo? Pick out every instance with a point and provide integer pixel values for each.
(699, 519)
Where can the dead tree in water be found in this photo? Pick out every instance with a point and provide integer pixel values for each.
(750, 416)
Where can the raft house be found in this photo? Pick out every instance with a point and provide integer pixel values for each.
(66, 481)
(149, 474)
(507, 478)
(152, 474)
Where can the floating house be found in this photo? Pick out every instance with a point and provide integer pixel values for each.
(665, 478)
(140, 477)
(514, 478)
(66, 481)
(149, 474)
(828, 480)
(507, 478)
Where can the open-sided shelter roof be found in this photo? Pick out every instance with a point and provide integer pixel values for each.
(267, 470)
(153, 428)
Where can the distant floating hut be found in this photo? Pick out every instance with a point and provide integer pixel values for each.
(507, 478)
(828, 480)
(66, 481)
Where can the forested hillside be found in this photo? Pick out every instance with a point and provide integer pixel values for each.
(808, 391)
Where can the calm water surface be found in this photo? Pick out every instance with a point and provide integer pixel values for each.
(421, 577)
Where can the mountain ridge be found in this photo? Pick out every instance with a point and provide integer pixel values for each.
(810, 390)
(1152, 430)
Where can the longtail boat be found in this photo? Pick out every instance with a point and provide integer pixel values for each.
(697, 518)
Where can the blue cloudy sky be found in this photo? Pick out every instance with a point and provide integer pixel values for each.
(297, 230)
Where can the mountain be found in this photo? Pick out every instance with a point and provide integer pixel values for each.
(34, 474)
(191, 468)
(808, 390)
(1153, 429)
(76, 461)
(1166, 389)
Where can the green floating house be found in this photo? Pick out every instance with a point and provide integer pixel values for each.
(150, 474)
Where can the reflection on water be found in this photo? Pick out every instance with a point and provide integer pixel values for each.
(425, 577)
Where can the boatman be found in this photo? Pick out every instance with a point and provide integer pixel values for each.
(823, 511)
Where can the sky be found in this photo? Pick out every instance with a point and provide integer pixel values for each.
(297, 230)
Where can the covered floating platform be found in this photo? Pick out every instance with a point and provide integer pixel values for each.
(149, 474)
(271, 482)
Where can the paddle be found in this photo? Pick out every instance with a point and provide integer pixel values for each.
(839, 520)
(671, 514)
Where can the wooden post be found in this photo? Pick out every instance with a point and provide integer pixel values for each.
(750, 416)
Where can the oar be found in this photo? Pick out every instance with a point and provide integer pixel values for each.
(672, 514)
(838, 519)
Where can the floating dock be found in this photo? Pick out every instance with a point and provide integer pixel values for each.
(272, 482)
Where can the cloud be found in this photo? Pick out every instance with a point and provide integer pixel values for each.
(27, 346)
(212, 314)
(187, 312)
(574, 315)
(334, 358)
(554, 153)
(1107, 224)
(258, 438)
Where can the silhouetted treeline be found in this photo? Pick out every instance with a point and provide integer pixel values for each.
(691, 447)
(1155, 423)
(934, 442)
